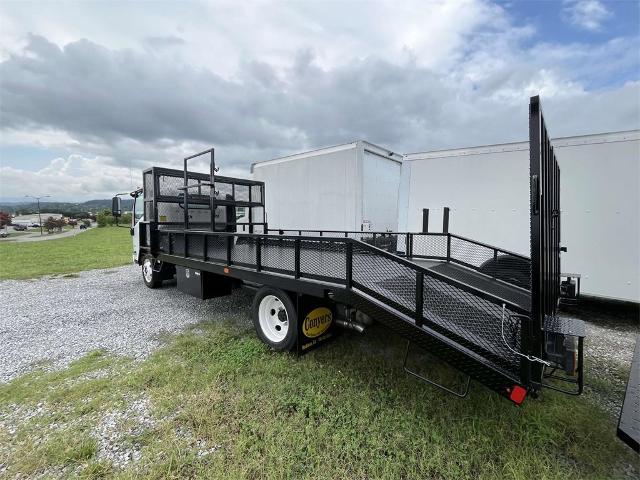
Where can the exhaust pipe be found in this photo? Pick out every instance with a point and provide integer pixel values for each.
(350, 325)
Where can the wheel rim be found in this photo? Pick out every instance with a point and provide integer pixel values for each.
(147, 271)
(273, 317)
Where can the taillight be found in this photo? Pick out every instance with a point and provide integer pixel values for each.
(517, 394)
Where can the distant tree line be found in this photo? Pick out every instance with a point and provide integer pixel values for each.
(67, 209)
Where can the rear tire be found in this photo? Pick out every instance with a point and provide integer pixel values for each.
(275, 318)
(152, 279)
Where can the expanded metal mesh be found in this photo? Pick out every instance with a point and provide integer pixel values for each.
(429, 245)
(164, 243)
(195, 246)
(323, 259)
(491, 261)
(257, 214)
(256, 193)
(224, 189)
(384, 241)
(148, 185)
(242, 193)
(148, 211)
(278, 254)
(169, 185)
(476, 322)
(243, 251)
(384, 278)
(472, 321)
(177, 244)
(217, 248)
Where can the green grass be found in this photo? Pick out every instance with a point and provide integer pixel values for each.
(97, 248)
(344, 411)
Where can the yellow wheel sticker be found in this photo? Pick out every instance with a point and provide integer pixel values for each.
(317, 322)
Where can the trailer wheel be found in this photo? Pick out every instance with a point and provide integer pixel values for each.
(275, 318)
(152, 279)
(512, 269)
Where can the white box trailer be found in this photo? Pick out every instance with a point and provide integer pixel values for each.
(486, 189)
(345, 187)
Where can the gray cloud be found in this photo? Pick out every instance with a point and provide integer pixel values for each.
(163, 42)
(119, 103)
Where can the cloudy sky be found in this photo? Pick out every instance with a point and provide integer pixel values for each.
(93, 92)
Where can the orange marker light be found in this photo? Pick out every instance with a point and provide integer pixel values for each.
(226, 270)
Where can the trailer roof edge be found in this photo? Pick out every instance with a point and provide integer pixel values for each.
(368, 146)
(560, 142)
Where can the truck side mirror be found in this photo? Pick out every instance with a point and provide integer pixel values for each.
(116, 207)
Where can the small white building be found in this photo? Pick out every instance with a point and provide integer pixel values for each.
(345, 187)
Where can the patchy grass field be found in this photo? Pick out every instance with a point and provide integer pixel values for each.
(216, 403)
(96, 248)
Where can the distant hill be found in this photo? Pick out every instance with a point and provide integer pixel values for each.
(90, 206)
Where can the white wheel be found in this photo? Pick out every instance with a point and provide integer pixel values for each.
(152, 279)
(273, 318)
(147, 270)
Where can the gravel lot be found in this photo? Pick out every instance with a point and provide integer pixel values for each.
(60, 319)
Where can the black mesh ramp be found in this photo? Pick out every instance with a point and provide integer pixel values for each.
(515, 295)
(461, 316)
(629, 424)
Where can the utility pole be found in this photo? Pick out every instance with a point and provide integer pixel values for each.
(38, 200)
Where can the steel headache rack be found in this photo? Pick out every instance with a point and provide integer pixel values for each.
(488, 312)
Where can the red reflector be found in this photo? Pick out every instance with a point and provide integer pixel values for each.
(226, 270)
(517, 394)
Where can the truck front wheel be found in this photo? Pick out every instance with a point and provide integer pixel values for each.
(151, 277)
(275, 318)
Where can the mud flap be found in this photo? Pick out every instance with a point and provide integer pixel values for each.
(316, 323)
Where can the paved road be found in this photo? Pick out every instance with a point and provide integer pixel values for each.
(36, 237)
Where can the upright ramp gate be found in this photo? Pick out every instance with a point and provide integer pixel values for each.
(548, 331)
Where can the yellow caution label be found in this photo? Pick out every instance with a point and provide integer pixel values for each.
(317, 322)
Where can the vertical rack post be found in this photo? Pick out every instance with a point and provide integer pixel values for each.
(419, 297)
(536, 153)
(212, 190)
(445, 220)
(296, 251)
(425, 220)
(250, 210)
(258, 254)
(185, 196)
(349, 264)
